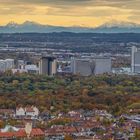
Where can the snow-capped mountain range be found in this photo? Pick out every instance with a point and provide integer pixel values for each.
(33, 27)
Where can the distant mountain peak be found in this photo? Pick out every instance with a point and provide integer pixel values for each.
(30, 23)
(108, 27)
(12, 24)
(122, 24)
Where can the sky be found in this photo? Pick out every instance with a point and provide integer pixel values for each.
(88, 13)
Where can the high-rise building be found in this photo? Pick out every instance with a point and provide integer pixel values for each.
(9, 64)
(91, 66)
(135, 60)
(48, 65)
(6, 64)
(20, 64)
(2, 66)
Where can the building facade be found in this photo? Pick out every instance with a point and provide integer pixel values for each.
(2, 66)
(48, 66)
(6, 64)
(86, 67)
(9, 64)
(135, 60)
(31, 111)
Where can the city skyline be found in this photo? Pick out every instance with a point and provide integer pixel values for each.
(88, 13)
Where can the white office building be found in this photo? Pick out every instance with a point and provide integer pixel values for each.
(2, 66)
(20, 64)
(31, 68)
(91, 66)
(9, 64)
(6, 64)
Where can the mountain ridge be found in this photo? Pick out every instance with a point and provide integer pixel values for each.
(33, 27)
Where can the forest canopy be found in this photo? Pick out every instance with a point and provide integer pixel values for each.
(115, 93)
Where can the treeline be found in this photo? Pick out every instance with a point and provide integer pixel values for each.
(69, 36)
(116, 93)
(77, 42)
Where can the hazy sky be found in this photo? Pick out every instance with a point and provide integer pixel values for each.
(69, 12)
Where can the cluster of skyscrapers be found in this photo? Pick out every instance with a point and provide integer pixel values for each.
(90, 65)
(48, 66)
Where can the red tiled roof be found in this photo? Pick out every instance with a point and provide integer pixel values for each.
(22, 134)
(18, 134)
(37, 132)
(60, 130)
(54, 131)
(9, 111)
(6, 134)
(69, 129)
(29, 109)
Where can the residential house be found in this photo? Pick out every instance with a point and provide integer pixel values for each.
(10, 132)
(20, 111)
(31, 111)
(7, 112)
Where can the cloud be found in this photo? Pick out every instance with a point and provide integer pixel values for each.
(59, 3)
(101, 10)
(97, 11)
(135, 15)
(124, 4)
(20, 10)
(70, 7)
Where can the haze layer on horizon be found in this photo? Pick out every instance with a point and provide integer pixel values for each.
(89, 13)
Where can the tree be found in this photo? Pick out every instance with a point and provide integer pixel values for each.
(137, 134)
(67, 137)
